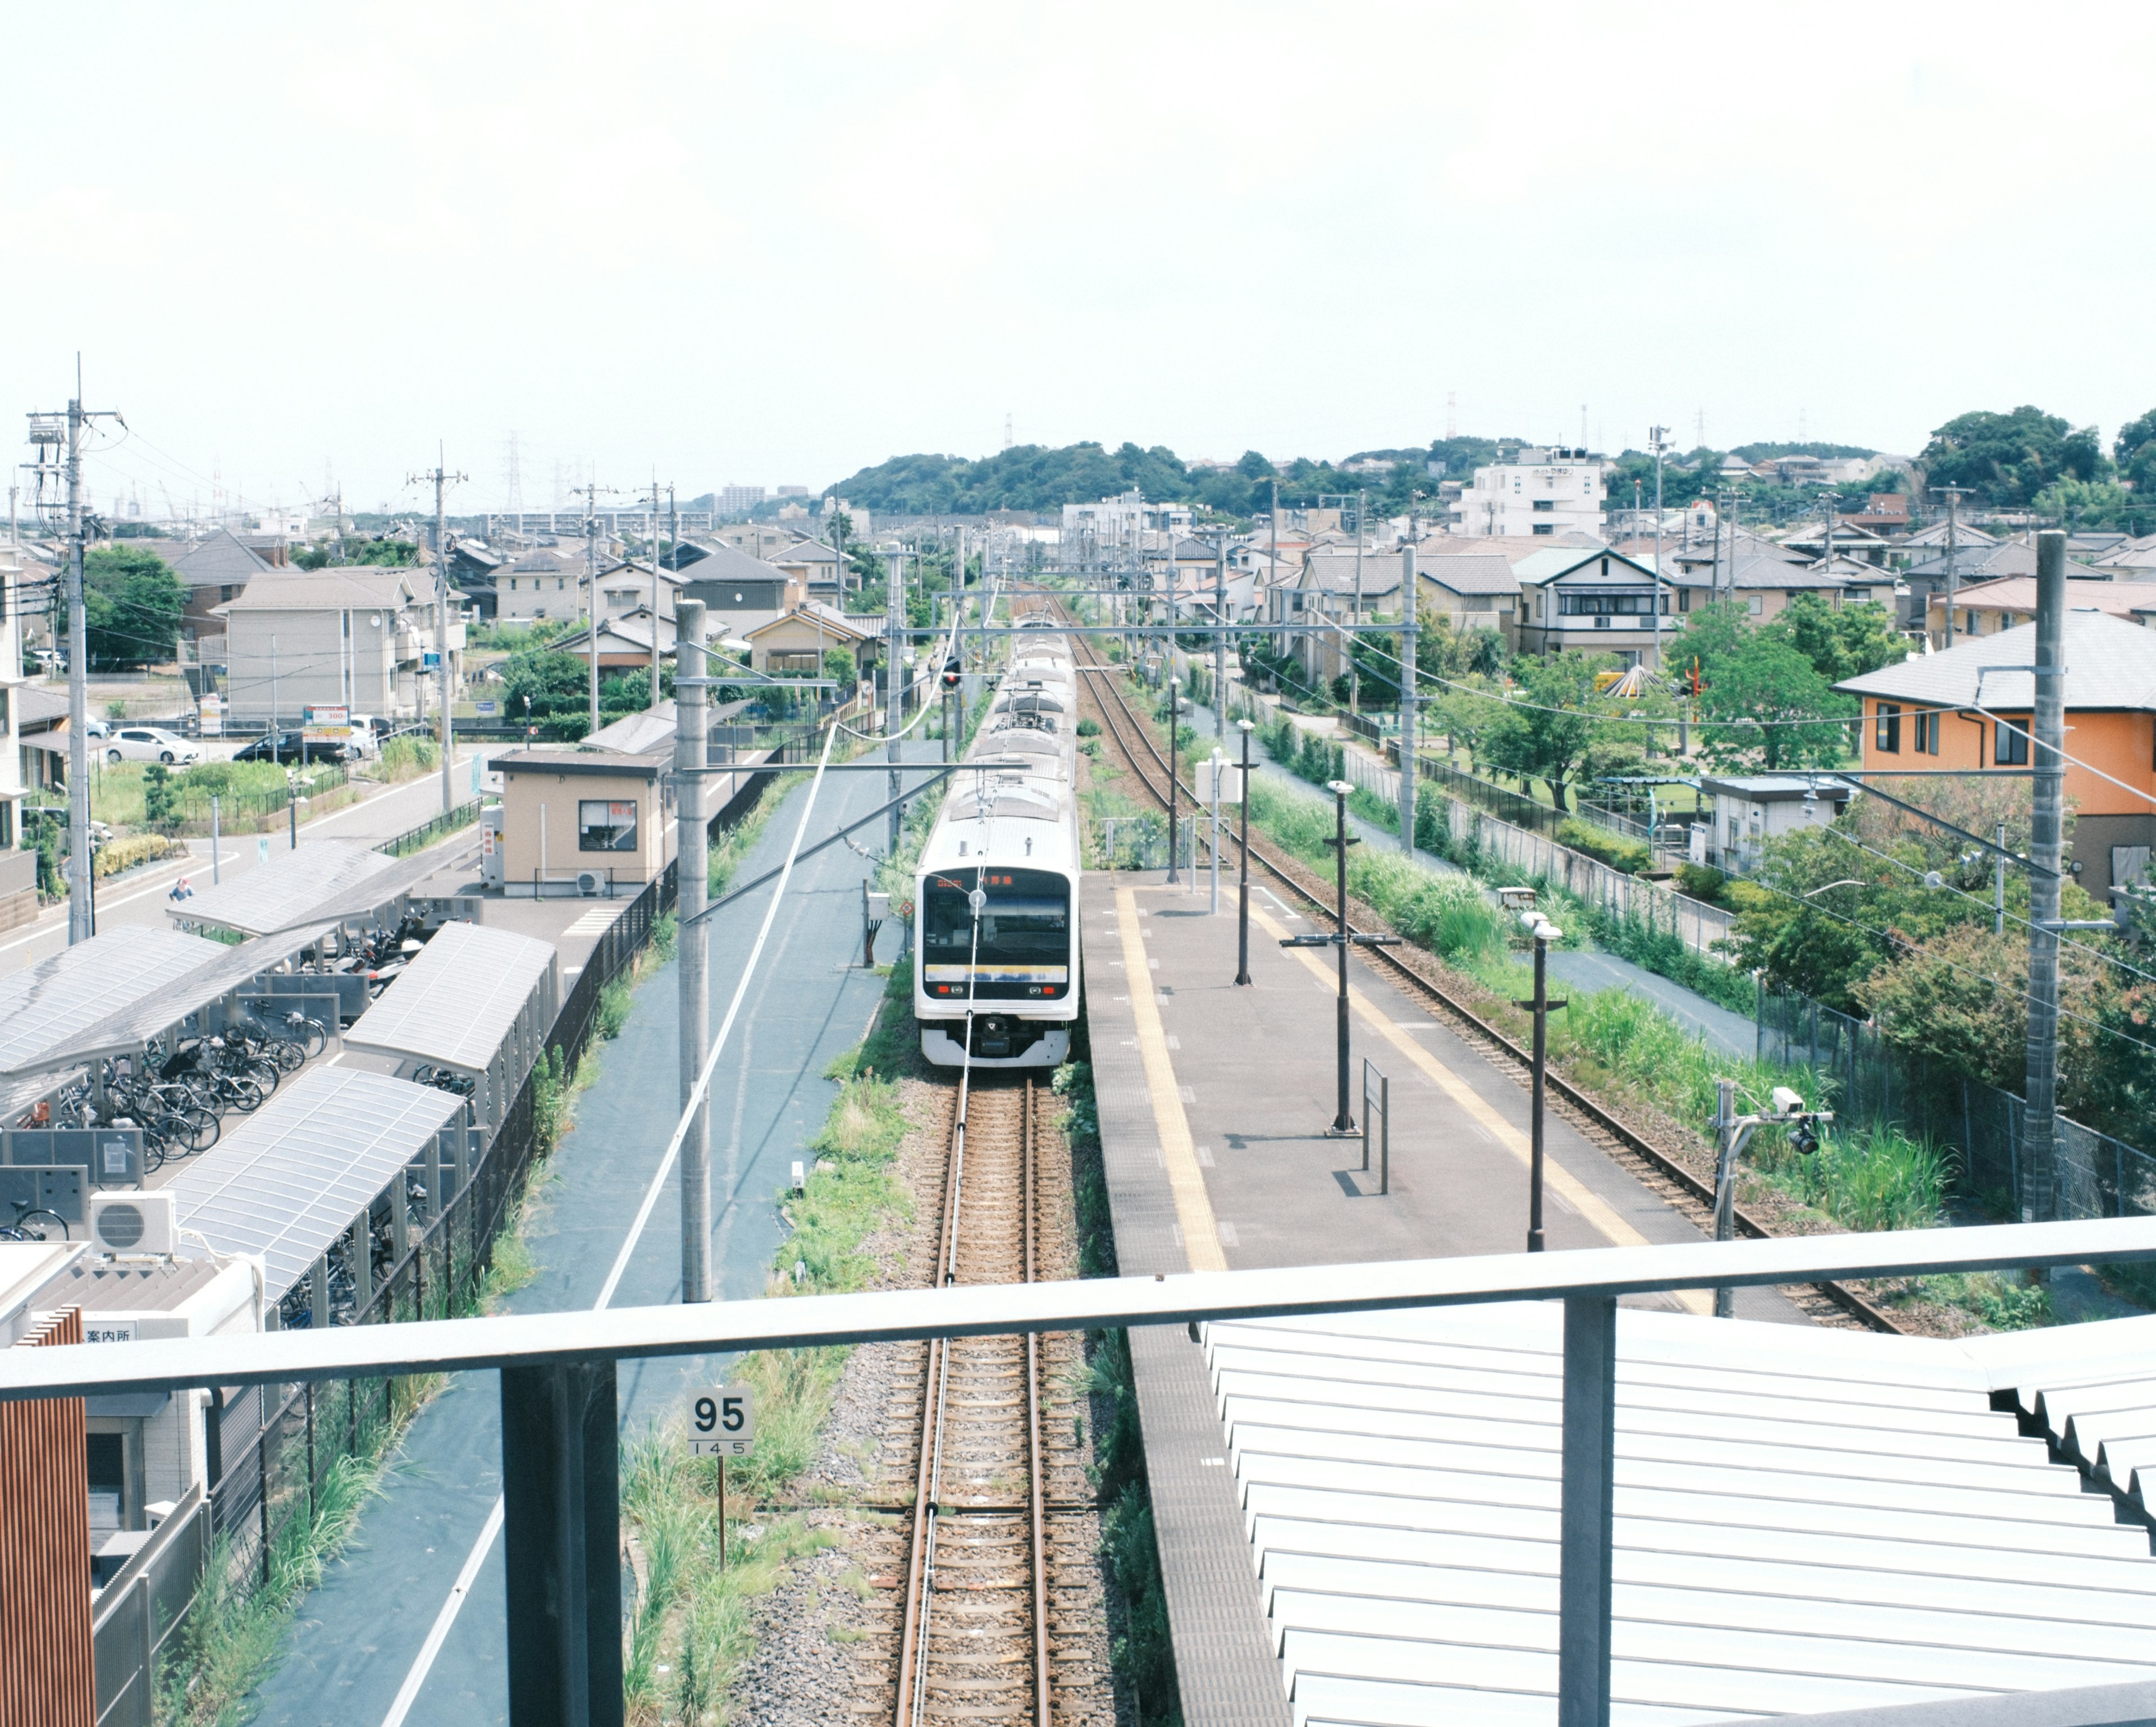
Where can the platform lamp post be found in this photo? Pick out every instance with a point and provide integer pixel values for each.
(1343, 939)
(1543, 933)
(1243, 887)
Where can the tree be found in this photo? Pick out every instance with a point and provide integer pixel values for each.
(1841, 642)
(555, 685)
(2133, 437)
(1544, 730)
(1768, 681)
(2101, 503)
(160, 803)
(2006, 459)
(133, 604)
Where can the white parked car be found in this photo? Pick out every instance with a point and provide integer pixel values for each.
(149, 744)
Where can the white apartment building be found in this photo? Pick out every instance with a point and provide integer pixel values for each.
(1120, 521)
(1538, 493)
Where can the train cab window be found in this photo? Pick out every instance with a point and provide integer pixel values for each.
(1021, 949)
(606, 825)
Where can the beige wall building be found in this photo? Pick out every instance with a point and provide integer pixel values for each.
(566, 812)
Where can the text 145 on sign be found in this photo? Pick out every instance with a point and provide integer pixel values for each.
(722, 1423)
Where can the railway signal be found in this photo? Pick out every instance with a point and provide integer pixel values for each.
(1343, 939)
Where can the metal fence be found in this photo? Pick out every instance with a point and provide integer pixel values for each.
(1875, 1085)
(142, 1607)
(419, 838)
(276, 1467)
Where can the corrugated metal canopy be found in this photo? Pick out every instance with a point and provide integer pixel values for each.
(290, 1178)
(46, 1004)
(1805, 1521)
(321, 881)
(458, 1001)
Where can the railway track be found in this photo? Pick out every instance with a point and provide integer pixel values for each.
(997, 1612)
(1663, 1174)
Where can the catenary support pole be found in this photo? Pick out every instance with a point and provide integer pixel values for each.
(692, 850)
(1585, 1524)
(1174, 714)
(1725, 1182)
(1408, 697)
(1243, 885)
(216, 869)
(80, 923)
(1219, 643)
(2039, 1115)
(894, 686)
(442, 629)
(561, 1545)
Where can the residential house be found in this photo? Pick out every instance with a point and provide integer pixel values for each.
(796, 642)
(739, 593)
(1810, 543)
(1476, 589)
(474, 573)
(1988, 607)
(2130, 560)
(627, 588)
(1969, 566)
(213, 570)
(814, 565)
(1764, 585)
(545, 583)
(1539, 494)
(1923, 715)
(624, 640)
(355, 637)
(1592, 598)
(1884, 512)
(1323, 596)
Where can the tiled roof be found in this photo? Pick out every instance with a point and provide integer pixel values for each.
(2110, 663)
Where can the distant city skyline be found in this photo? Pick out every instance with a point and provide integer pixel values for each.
(299, 255)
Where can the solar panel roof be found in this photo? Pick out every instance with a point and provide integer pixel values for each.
(1804, 1522)
(321, 881)
(460, 998)
(288, 1181)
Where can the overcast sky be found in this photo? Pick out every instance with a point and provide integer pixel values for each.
(770, 244)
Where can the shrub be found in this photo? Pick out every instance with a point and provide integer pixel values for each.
(160, 803)
(1089, 728)
(404, 757)
(136, 849)
(1614, 850)
(1700, 882)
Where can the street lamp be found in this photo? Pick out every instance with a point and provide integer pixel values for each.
(1732, 1132)
(1344, 937)
(1543, 931)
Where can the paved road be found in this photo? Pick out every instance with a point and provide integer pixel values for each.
(360, 1632)
(139, 897)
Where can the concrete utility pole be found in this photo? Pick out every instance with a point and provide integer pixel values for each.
(894, 613)
(441, 479)
(49, 435)
(1655, 434)
(652, 705)
(1408, 693)
(1220, 642)
(2039, 1114)
(692, 835)
(591, 496)
(1953, 497)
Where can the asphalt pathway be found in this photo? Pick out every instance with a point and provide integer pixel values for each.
(359, 1633)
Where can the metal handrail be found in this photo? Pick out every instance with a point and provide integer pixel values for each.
(559, 1401)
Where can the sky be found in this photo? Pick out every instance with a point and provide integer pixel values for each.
(304, 248)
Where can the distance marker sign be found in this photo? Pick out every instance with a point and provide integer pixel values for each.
(722, 1423)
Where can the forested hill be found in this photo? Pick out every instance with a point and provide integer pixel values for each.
(1034, 477)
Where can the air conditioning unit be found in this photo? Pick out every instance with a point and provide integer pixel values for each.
(590, 883)
(134, 1223)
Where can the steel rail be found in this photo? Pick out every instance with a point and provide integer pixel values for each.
(1028, 1151)
(1633, 1141)
(913, 1633)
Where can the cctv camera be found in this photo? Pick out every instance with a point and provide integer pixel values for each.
(1787, 1102)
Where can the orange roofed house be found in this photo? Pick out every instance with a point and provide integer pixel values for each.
(1920, 716)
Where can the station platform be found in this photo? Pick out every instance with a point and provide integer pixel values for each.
(1214, 1103)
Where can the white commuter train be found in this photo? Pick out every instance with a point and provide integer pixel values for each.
(995, 903)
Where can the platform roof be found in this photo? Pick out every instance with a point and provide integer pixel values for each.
(321, 881)
(459, 999)
(1806, 1520)
(288, 1181)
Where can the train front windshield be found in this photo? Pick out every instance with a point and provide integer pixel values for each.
(1023, 935)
